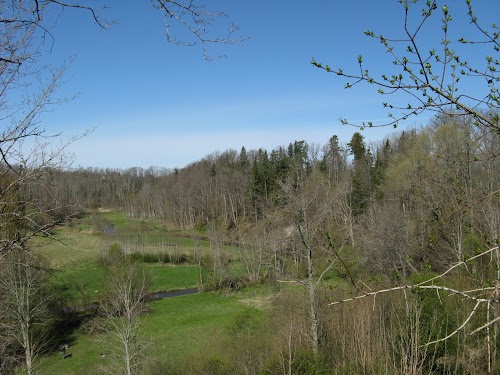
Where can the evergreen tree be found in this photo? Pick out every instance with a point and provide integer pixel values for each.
(379, 167)
(361, 178)
(261, 182)
(243, 158)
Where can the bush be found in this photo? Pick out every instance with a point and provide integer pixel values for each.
(163, 366)
(215, 365)
(161, 257)
(305, 362)
(150, 257)
(245, 322)
(110, 256)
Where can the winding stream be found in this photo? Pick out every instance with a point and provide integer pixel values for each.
(149, 297)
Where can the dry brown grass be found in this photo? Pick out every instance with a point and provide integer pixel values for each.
(260, 302)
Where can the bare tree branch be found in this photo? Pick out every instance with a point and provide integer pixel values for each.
(197, 25)
(431, 80)
(491, 298)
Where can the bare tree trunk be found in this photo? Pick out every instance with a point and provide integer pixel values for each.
(123, 306)
(310, 205)
(24, 305)
(313, 313)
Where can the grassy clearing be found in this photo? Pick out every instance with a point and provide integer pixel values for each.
(68, 247)
(180, 327)
(172, 277)
(84, 240)
(85, 281)
(183, 326)
(85, 358)
(74, 249)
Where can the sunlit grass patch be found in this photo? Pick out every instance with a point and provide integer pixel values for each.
(69, 246)
(181, 327)
(184, 326)
(85, 281)
(166, 277)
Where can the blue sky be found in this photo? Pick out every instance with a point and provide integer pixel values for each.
(153, 103)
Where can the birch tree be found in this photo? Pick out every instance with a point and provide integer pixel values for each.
(123, 305)
(308, 209)
(25, 318)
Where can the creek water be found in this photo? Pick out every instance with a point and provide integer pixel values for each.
(149, 297)
(171, 293)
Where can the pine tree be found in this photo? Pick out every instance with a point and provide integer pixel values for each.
(361, 177)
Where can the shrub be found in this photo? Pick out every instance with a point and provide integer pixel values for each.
(215, 365)
(305, 362)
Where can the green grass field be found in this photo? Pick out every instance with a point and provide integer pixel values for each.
(166, 277)
(84, 239)
(85, 280)
(178, 328)
(69, 246)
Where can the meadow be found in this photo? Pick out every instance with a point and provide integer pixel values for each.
(174, 330)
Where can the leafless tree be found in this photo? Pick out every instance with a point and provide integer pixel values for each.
(27, 89)
(24, 314)
(431, 77)
(308, 208)
(123, 305)
(192, 22)
(27, 151)
(435, 78)
(482, 299)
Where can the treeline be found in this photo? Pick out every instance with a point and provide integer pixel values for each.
(420, 197)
